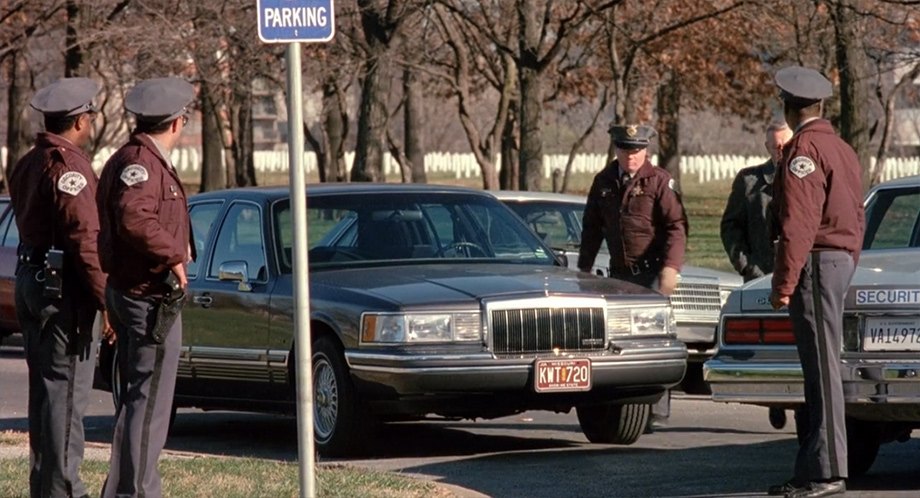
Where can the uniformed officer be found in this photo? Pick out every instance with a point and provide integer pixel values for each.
(819, 221)
(745, 228)
(145, 243)
(52, 190)
(635, 207)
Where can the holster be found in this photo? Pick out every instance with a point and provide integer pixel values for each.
(168, 310)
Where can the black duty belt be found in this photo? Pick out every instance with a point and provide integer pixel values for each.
(644, 266)
(32, 255)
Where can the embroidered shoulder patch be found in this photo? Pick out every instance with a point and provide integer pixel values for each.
(134, 174)
(672, 184)
(801, 166)
(71, 183)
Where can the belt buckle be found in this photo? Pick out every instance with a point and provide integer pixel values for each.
(635, 270)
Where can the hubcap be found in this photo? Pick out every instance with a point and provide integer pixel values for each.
(326, 406)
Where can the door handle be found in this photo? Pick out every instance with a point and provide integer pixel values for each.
(204, 300)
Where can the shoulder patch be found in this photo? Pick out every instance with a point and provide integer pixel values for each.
(134, 174)
(801, 166)
(71, 183)
(672, 184)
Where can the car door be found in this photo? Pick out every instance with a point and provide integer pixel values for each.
(227, 320)
(9, 234)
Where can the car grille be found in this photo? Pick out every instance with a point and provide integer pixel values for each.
(541, 330)
(693, 298)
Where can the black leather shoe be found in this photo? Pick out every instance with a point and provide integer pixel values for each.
(818, 489)
(784, 488)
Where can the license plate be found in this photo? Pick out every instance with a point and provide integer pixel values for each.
(562, 375)
(892, 334)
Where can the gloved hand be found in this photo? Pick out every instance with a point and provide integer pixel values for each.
(667, 280)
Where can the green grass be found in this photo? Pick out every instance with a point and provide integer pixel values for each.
(207, 477)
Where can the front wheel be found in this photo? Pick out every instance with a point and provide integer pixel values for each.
(336, 425)
(613, 424)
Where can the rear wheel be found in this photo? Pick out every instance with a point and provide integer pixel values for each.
(863, 441)
(336, 425)
(613, 424)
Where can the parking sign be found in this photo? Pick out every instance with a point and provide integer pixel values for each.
(288, 21)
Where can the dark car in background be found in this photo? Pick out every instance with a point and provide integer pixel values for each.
(424, 301)
(757, 362)
(700, 292)
(9, 242)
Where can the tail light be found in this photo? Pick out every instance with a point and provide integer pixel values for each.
(774, 331)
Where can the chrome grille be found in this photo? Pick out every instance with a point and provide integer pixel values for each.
(695, 298)
(540, 330)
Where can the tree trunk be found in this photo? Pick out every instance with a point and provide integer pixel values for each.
(412, 117)
(375, 88)
(73, 53)
(669, 126)
(531, 165)
(335, 130)
(18, 136)
(854, 95)
(242, 137)
(212, 167)
(509, 175)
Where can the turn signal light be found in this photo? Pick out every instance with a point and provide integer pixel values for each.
(775, 331)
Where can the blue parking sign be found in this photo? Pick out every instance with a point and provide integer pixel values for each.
(287, 21)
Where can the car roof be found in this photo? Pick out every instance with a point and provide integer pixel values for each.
(280, 192)
(528, 196)
(906, 181)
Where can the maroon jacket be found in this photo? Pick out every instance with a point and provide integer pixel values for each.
(144, 218)
(818, 201)
(53, 193)
(642, 219)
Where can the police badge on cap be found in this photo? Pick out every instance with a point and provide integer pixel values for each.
(66, 97)
(632, 136)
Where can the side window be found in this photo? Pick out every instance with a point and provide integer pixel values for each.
(892, 219)
(240, 239)
(8, 229)
(202, 216)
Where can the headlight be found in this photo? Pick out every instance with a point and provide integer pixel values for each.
(409, 328)
(723, 296)
(652, 321)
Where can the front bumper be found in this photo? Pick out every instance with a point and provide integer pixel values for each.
(780, 383)
(656, 366)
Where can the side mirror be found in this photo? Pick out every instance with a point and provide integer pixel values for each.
(235, 271)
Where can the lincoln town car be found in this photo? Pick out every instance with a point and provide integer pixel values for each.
(425, 301)
(757, 363)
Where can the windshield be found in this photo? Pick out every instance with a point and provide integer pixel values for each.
(361, 229)
(893, 219)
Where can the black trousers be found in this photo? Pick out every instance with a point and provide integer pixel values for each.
(142, 419)
(816, 310)
(61, 357)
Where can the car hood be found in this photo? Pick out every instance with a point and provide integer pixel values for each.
(878, 271)
(425, 285)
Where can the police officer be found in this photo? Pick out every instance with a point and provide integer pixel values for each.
(745, 227)
(633, 204)
(819, 220)
(52, 190)
(145, 243)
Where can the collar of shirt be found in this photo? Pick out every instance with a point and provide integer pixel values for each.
(162, 150)
(803, 123)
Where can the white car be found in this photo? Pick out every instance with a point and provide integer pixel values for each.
(757, 362)
(696, 302)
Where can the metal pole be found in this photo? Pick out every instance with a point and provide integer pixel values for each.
(301, 283)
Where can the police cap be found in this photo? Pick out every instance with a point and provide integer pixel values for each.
(631, 136)
(802, 86)
(66, 97)
(159, 100)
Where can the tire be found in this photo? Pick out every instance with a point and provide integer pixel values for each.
(336, 425)
(863, 441)
(115, 379)
(613, 424)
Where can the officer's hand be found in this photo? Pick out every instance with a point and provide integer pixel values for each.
(108, 333)
(778, 301)
(179, 270)
(667, 280)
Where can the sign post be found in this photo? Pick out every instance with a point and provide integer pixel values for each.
(292, 22)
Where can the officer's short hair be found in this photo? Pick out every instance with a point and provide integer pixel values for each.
(153, 128)
(58, 124)
(777, 126)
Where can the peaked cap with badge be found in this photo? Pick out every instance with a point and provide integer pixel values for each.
(66, 97)
(631, 136)
(802, 86)
(159, 100)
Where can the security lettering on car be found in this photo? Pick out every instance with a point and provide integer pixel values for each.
(757, 361)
